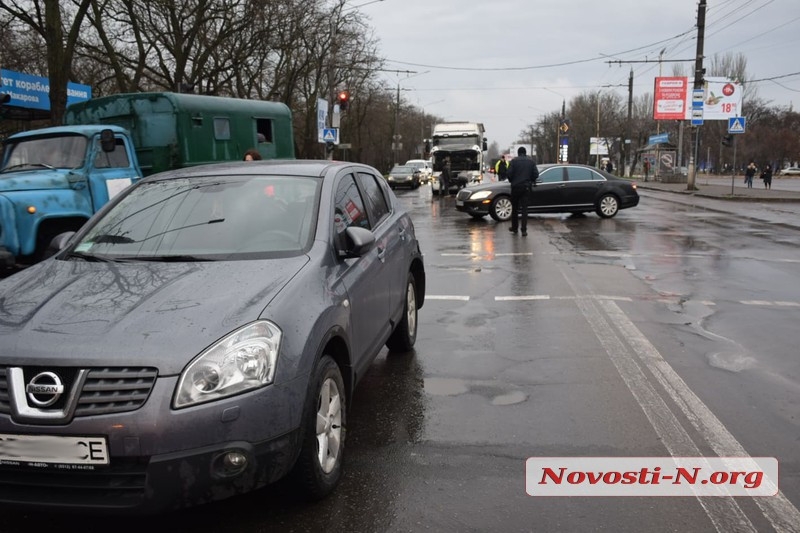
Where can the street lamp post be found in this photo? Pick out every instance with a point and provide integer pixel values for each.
(396, 136)
(597, 139)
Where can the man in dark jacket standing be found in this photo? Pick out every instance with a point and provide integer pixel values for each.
(522, 175)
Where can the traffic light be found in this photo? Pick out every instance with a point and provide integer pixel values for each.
(344, 100)
(4, 98)
(727, 140)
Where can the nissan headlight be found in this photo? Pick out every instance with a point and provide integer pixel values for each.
(241, 361)
(480, 195)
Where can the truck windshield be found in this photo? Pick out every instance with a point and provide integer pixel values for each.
(66, 151)
(453, 142)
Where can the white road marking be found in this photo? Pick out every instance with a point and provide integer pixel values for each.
(521, 298)
(609, 297)
(500, 254)
(783, 515)
(724, 513)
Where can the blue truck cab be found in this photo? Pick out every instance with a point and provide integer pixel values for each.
(52, 180)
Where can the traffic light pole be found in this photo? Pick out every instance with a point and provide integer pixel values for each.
(733, 174)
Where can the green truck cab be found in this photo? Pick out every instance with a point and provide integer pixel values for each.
(176, 130)
(53, 179)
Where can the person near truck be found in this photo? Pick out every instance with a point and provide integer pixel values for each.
(444, 178)
(522, 175)
(501, 168)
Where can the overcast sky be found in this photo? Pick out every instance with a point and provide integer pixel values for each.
(505, 62)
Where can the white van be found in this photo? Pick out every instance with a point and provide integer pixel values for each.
(424, 166)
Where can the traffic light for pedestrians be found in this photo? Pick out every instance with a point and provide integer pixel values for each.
(344, 100)
(727, 140)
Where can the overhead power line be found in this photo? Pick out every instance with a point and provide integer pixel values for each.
(536, 67)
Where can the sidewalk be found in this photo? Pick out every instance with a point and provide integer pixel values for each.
(723, 192)
(780, 207)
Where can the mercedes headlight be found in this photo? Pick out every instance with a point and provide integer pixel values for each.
(480, 195)
(243, 360)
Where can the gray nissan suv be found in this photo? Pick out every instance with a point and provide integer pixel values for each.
(201, 337)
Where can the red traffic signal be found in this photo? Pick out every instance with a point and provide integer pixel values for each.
(344, 100)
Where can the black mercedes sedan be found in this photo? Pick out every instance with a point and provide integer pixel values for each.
(561, 188)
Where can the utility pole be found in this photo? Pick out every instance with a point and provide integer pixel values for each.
(698, 84)
(626, 142)
(563, 155)
(396, 136)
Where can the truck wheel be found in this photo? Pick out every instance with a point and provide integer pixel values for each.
(500, 210)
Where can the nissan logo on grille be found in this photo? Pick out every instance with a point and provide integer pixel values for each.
(44, 389)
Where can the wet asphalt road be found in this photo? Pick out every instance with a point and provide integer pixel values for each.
(670, 329)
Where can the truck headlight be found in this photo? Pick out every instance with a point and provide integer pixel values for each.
(243, 360)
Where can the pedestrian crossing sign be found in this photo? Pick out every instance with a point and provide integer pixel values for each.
(736, 124)
(329, 135)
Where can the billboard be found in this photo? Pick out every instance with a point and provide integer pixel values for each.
(672, 100)
(599, 145)
(33, 92)
(723, 99)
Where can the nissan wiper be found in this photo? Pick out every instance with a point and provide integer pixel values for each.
(167, 258)
(89, 257)
(112, 239)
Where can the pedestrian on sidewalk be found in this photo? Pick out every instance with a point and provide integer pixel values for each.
(749, 174)
(766, 175)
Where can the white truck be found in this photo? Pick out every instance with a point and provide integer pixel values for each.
(465, 144)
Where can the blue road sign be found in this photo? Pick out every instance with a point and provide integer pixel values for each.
(736, 124)
(698, 95)
(329, 135)
(697, 116)
(657, 139)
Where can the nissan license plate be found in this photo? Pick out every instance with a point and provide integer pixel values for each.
(52, 449)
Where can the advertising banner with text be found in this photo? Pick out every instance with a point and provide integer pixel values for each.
(33, 92)
(671, 98)
(722, 99)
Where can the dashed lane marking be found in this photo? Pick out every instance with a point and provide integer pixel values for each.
(521, 298)
(606, 297)
(487, 255)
